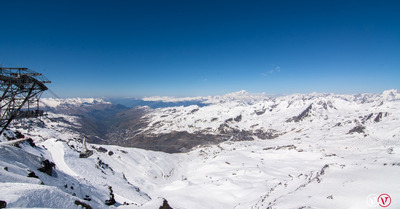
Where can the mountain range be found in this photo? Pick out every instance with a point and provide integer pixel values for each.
(240, 150)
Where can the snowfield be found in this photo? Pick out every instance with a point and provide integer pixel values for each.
(328, 151)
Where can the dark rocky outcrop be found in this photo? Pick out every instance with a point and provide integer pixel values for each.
(378, 118)
(358, 129)
(367, 117)
(165, 205)
(110, 201)
(47, 167)
(260, 112)
(288, 147)
(269, 134)
(84, 205)
(87, 198)
(32, 175)
(302, 115)
(238, 118)
(194, 110)
(100, 149)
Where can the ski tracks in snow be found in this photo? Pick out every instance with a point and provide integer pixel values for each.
(57, 152)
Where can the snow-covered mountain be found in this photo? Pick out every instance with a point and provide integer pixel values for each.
(74, 102)
(239, 150)
(247, 116)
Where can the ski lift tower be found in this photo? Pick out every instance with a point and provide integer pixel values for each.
(20, 90)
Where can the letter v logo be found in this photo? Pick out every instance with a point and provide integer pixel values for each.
(384, 200)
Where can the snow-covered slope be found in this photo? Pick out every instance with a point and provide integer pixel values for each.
(300, 151)
(57, 102)
(250, 112)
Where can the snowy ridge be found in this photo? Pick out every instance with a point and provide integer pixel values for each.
(244, 96)
(391, 95)
(55, 102)
(307, 151)
(173, 99)
(240, 95)
(244, 111)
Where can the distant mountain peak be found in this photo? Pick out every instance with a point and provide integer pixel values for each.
(55, 102)
(390, 95)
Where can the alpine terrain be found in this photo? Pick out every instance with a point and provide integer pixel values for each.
(240, 150)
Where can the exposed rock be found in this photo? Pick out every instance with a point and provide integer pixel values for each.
(269, 134)
(238, 118)
(165, 205)
(322, 172)
(260, 112)
(32, 175)
(110, 201)
(101, 149)
(242, 135)
(228, 120)
(367, 117)
(288, 147)
(194, 110)
(102, 165)
(18, 135)
(302, 115)
(47, 167)
(84, 205)
(30, 142)
(87, 198)
(325, 105)
(378, 118)
(357, 129)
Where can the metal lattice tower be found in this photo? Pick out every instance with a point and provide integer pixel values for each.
(20, 90)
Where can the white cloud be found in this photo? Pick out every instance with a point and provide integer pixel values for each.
(277, 70)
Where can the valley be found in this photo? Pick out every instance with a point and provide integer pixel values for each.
(239, 150)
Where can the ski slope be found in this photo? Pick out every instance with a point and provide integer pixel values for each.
(317, 162)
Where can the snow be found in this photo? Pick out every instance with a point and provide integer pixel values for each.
(12, 142)
(313, 163)
(55, 102)
(56, 148)
(30, 195)
(172, 99)
(261, 112)
(390, 95)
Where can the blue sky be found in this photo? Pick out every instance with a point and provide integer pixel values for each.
(189, 48)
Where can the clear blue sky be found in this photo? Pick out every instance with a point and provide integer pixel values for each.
(188, 48)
